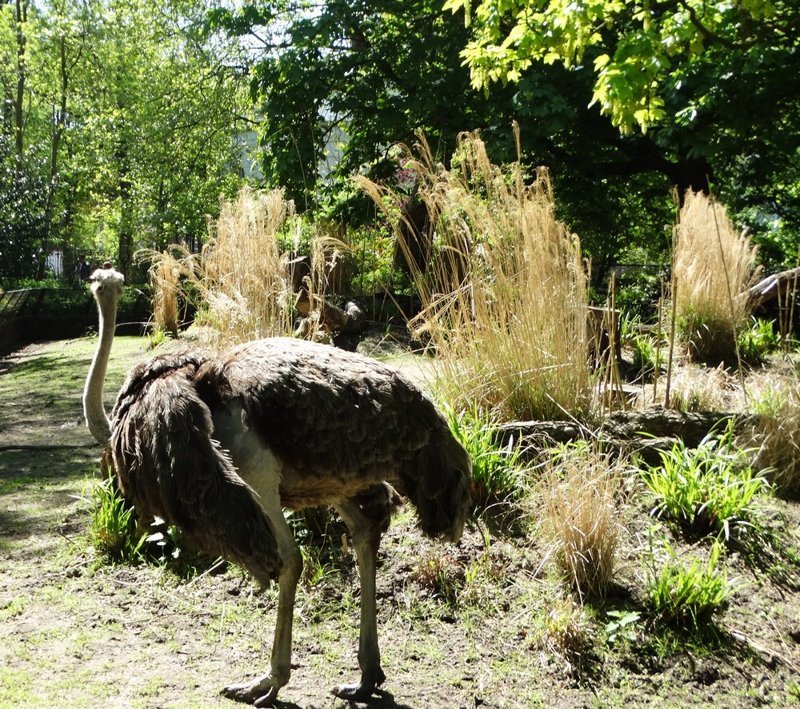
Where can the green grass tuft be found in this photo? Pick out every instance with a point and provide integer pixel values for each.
(710, 488)
(688, 595)
(113, 528)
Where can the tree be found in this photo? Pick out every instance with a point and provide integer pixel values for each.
(126, 125)
(715, 86)
(635, 48)
(358, 76)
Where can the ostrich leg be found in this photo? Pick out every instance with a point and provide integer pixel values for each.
(262, 691)
(366, 535)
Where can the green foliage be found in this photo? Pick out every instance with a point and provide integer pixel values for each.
(373, 254)
(648, 355)
(688, 595)
(758, 341)
(633, 57)
(157, 337)
(498, 472)
(686, 82)
(622, 626)
(22, 213)
(710, 488)
(123, 129)
(113, 528)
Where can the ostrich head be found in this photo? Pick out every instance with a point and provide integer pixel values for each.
(107, 287)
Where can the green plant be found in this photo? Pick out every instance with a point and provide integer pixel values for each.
(687, 595)
(498, 471)
(580, 517)
(157, 338)
(648, 357)
(566, 629)
(629, 327)
(708, 488)
(757, 341)
(315, 568)
(622, 626)
(113, 528)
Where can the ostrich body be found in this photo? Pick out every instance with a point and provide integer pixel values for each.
(219, 445)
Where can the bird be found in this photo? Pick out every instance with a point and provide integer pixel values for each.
(219, 444)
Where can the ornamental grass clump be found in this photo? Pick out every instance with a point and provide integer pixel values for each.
(581, 517)
(242, 280)
(504, 294)
(774, 434)
(713, 266)
(165, 273)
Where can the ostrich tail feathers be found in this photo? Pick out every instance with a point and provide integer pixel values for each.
(169, 465)
(439, 485)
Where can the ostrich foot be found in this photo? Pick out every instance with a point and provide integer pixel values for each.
(260, 692)
(362, 691)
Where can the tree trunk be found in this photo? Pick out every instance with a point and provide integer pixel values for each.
(21, 18)
(59, 122)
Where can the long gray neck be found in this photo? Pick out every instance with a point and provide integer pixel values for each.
(93, 410)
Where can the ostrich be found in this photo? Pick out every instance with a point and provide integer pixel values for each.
(218, 445)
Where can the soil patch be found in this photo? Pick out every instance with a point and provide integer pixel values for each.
(474, 625)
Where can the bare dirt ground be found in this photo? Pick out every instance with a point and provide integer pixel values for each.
(484, 624)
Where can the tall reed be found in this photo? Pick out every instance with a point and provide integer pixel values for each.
(242, 272)
(713, 265)
(505, 293)
(165, 273)
(242, 281)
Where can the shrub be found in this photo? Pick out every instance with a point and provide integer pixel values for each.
(713, 265)
(580, 516)
(688, 595)
(710, 488)
(505, 294)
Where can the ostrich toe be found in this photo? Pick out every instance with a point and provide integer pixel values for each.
(261, 692)
(362, 691)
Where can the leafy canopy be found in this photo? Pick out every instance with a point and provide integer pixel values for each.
(634, 47)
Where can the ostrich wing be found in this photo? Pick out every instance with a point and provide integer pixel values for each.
(169, 465)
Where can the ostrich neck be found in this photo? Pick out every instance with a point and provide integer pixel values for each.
(93, 411)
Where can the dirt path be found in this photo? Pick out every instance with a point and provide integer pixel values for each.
(473, 626)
